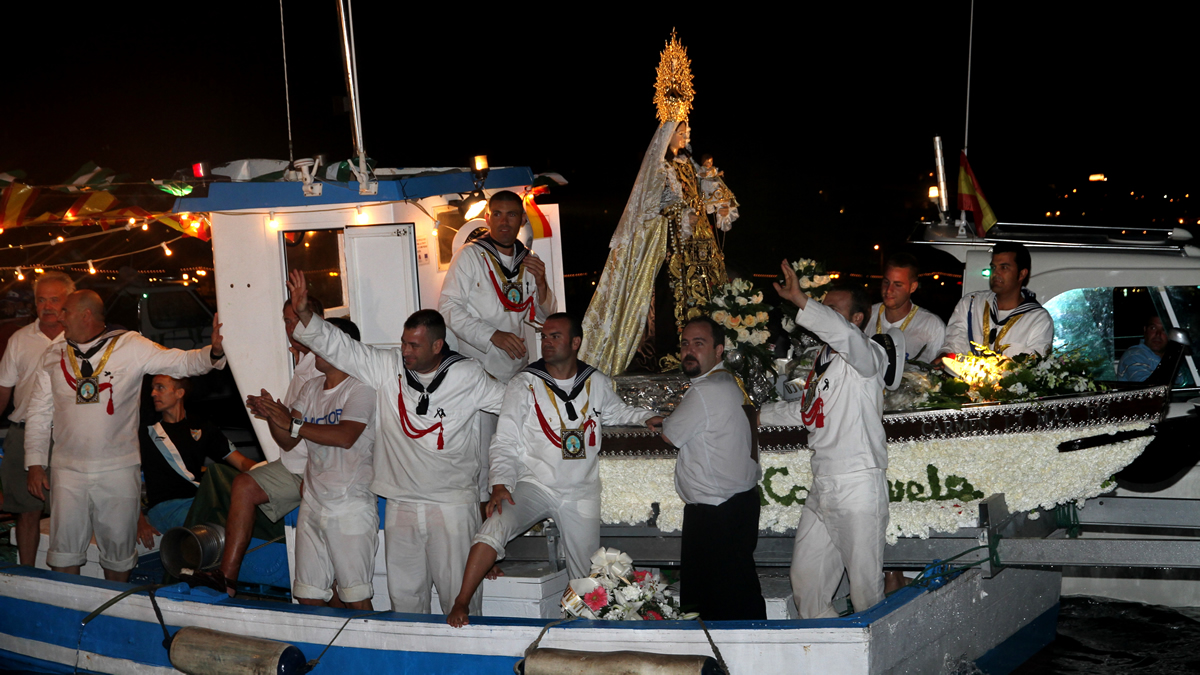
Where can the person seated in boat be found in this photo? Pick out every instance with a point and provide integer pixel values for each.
(845, 515)
(426, 457)
(88, 389)
(1006, 319)
(337, 529)
(1140, 360)
(924, 331)
(544, 458)
(716, 476)
(173, 451)
(271, 489)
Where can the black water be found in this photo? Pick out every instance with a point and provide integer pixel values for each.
(1104, 637)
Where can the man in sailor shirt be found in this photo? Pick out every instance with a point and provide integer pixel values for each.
(17, 374)
(845, 515)
(1007, 319)
(924, 332)
(337, 531)
(173, 451)
(89, 387)
(493, 286)
(544, 458)
(427, 455)
(716, 476)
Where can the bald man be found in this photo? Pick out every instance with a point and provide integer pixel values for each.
(87, 390)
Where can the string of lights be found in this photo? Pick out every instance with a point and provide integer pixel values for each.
(91, 264)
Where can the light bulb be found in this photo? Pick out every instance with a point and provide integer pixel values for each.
(272, 222)
(165, 249)
(91, 268)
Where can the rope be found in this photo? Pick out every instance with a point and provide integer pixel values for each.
(282, 536)
(534, 645)
(716, 652)
(313, 664)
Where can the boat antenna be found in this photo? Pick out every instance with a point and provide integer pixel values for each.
(286, 95)
(349, 60)
(962, 213)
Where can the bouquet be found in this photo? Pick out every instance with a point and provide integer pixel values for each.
(739, 307)
(814, 281)
(615, 591)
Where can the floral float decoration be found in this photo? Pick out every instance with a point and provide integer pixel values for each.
(814, 281)
(615, 591)
(739, 307)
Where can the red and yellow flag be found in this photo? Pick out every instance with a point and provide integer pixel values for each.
(539, 224)
(970, 197)
(14, 204)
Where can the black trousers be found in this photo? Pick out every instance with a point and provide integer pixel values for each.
(718, 577)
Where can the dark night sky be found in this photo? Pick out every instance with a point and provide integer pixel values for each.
(822, 119)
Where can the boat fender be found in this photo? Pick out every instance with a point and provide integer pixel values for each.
(201, 651)
(545, 661)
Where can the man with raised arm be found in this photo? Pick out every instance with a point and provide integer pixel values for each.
(1007, 319)
(544, 458)
(924, 332)
(88, 388)
(427, 456)
(845, 515)
(338, 525)
(493, 286)
(18, 370)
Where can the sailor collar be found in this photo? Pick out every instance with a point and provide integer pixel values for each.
(449, 358)
(582, 372)
(491, 246)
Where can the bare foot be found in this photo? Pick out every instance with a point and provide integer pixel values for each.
(458, 616)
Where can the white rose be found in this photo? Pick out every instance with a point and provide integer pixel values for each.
(741, 301)
(757, 298)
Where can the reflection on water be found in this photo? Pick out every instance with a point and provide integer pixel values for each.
(1102, 637)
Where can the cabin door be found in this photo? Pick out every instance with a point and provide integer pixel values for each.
(381, 271)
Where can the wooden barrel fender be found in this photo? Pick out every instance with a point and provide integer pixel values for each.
(570, 662)
(201, 651)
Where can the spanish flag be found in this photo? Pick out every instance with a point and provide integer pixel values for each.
(970, 197)
(539, 224)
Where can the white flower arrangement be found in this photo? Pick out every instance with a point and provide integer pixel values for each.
(615, 591)
(934, 485)
(739, 308)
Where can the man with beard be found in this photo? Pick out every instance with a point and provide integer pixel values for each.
(1007, 319)
(25, 349)
(544, 459)
(845, 515)
(924, 332)
(426, 458)
(716, 476)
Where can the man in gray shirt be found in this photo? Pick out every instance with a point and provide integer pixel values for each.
(716, 477)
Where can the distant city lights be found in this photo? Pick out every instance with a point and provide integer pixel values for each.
(1099, 178)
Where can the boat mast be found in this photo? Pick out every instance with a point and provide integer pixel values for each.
(346, 22)
(962, 213)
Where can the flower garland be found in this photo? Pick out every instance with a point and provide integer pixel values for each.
(933, 485)
(739, 307)
(994, 377)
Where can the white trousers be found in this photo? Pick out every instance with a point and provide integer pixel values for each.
(103, 503)
(428, 544)
(842, 527)
(337, 545)
(578, 524)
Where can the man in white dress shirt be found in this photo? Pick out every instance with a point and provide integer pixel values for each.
(716, 475)
(89, 386)
(924, 332)
(845, 515)
(21, 357)
(426, 456)
(1007, 319)
(545, 457)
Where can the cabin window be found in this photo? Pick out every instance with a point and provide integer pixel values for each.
(449, 222)
(1103, 323)
(319, 254)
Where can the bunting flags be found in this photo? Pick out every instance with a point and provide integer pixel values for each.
(970, 197)
(14, 204)
(89, 176)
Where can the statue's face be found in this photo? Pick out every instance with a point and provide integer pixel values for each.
(680, 138)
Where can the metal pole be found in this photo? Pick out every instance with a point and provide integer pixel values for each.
(970, 47)
(940, 159)
(351, 76)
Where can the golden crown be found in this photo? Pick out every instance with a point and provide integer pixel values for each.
(673, 91)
